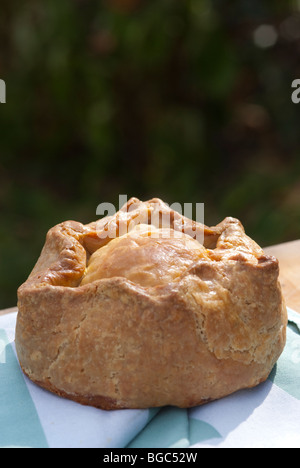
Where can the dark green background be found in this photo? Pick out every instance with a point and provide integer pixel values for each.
(173, 99)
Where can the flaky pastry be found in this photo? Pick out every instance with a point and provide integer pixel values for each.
(150, 316)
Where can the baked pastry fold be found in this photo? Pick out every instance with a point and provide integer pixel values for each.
(150, 316)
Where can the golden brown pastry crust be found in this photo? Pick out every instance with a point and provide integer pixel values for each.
(113, 343)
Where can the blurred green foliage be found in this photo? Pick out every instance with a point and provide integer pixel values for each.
(183, 100)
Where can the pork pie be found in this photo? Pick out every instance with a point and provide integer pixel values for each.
(148, 308)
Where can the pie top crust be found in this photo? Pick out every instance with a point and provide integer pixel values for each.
(149, 308)
(146, 256)
(73, 251)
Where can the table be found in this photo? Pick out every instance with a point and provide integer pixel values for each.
(288, 255)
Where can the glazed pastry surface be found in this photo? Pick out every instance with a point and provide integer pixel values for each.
(146, 256)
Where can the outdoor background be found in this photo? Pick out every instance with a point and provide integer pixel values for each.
(188, 100)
